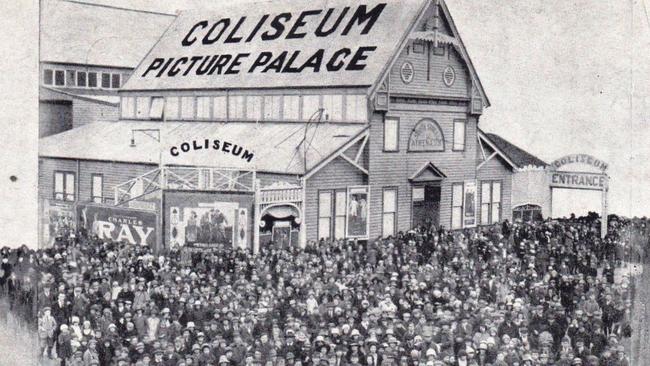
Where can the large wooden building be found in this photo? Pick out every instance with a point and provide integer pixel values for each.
(320, 119)
(86, 54)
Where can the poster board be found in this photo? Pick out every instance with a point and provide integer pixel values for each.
(357, 212)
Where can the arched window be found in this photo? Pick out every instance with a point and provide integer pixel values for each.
(527, 213)
(427, 136)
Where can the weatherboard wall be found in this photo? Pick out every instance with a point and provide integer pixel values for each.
(393, 169)
(337, 175)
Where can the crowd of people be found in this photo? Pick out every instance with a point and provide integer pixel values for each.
(540, 293)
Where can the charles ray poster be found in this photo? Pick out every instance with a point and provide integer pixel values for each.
(137, 227)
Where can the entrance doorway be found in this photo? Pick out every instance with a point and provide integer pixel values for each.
(426, 205)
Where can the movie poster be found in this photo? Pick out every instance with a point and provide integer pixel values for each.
(242, 228)
(206, 224)
(58, 220)
(469, 218)
(357, 212)
(136, 227)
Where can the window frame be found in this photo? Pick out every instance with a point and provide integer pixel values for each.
(122, 109)
(101, 81)
(181, 106)
(152, 101)
(462, 205)
(336, 215)
(96, 78)
(491, 202)
(65, 174)
(209, 98)
(93, 194)
(56, 71)
(119, 80)
(453, 141)
(395, 189)
(330, 211)
(397, 120)
(85, 73)
(45, 70)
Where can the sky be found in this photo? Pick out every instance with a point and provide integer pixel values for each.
(562, 76)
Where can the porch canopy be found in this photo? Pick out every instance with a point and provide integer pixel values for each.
(284, 148)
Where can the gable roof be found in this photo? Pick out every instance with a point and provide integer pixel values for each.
(428, 172)
(277, 147)
(454, 39)
(354, 32)
(79, 33)
(520, 157)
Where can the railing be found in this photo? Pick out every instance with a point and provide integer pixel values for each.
(280, 195)
(184, 178)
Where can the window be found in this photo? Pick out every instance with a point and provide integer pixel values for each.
(272, 107)
(389, 212)
(291, 107)
(115, 81)
(82, 80)
(187, 107)
(219, 107)
(391, 134)
(171, 108)
(490, 202)
(356, 108)
(310, 105)
(459, 135)
(418, 47)
(203, 107)
(92, 79)
(128, 107)
(106, 80)
(48, 77)
(236, 107)
(64, 183)
(97, 188)
(333, 105)
(142, 105)
(70, 78)
(457, 206)
(339, 213)
(324, 214)
(59, 78)
(254, 108)
(157, 106)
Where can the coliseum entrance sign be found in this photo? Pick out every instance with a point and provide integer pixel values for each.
(594, 181)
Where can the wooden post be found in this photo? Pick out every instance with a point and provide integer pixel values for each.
(303, 222)
(603, 216)
(256, 215)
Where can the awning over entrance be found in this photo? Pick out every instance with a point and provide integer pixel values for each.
(285, 148)
(428, 173)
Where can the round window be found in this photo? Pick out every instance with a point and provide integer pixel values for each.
(449, 76)
(407, 72)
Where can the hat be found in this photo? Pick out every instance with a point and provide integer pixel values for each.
(576, 361)
(223, 359)
(431, 352)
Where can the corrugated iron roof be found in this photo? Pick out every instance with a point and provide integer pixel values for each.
(56, 94)
(78, 33)
(518, 155)
(277, 147)
(386, 34)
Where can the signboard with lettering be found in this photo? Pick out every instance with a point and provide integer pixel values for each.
(579, 159)
(579, 180)
(137, 227)
(427, 136)
(303, 43)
